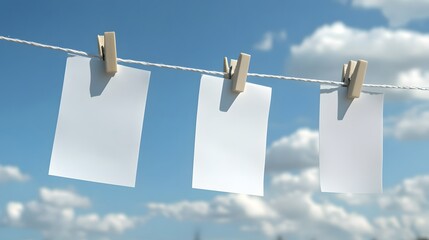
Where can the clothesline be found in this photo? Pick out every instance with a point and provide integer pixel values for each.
(160, 65)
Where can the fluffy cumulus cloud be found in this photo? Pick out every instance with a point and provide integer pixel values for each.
(404, 209)
(11, 174)
(411, 125)
(197, 210)
(54, 214)
(411, 196)
(61, 198)
(224, 208)
(290, 205)
(306, 181)
(397, 57)
(294, 207)
(267, 42)
(296, 151)
(294, 196)
(398, 12)
(294, 201)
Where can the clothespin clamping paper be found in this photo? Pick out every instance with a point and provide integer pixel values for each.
(237, 71)
(353, 76)
(107, 51)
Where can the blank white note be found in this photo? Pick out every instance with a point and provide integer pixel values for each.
(351, 141)
(230, 138)
(100, 123)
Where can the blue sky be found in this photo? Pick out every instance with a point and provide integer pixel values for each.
(294, 38)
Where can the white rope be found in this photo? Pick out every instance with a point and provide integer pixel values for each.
(160, 65)
(297, 79)
(396, 87)
(68, 50)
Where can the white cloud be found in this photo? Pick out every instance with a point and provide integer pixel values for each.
(182, 210)
(267, 42)
(294, 201)
(321, 220)
(391, 227)
(111, 223)
(63, 198)
(224, 208)
(398, 12)
(306, 181)
(411, 125)
(55, 215)
(11, 174)
(284, 211)
(411, 196)
(294, 196)
(242, 207)
(14, 211)
(403, 210)
(394, 56)
(355, 199)
(296, 151)
(402, 227)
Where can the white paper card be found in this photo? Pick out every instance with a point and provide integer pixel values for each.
(230, 137)
(100, 123)
(351, 141)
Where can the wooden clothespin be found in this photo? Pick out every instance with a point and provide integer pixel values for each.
(237, 71)
(354, 75)
(107, 51)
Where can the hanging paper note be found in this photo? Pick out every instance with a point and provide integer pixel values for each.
(100, 123)
(351, 141)
(230, 138)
